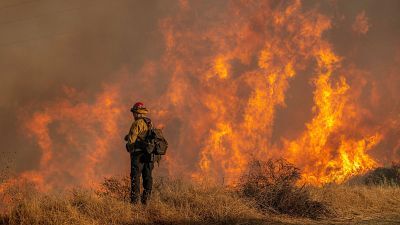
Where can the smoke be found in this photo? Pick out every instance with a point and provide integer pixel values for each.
(49, 45)
(227, 80)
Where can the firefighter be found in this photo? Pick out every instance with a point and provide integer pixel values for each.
(141, 161)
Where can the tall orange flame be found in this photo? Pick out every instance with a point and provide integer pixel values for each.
(321, 161)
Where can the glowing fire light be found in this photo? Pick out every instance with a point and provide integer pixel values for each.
(223, 81)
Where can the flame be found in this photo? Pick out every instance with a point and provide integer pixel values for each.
(87, 133)
(217, 90)
(242, 126)
(220, 68)
(322, 162)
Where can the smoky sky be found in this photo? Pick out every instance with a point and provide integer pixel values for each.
(46, 45)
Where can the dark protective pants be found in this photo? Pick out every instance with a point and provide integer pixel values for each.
(141, 164)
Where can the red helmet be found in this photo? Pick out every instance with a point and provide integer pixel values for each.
(136, 106)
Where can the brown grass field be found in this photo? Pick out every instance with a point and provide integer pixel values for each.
(179, 202)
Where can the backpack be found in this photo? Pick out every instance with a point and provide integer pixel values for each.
(154, 142)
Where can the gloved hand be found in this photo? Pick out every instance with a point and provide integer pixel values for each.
(129, 147)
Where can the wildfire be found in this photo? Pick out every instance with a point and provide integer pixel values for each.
(85, 133)
(217, 89)
(321, 161)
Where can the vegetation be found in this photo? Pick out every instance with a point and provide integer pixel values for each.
(272, 185)
(266, 195)
(173, 202)
(384, 176)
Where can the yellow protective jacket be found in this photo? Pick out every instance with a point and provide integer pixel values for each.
(138, 130)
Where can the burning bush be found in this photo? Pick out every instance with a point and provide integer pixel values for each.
(384, 176)
(272, 184)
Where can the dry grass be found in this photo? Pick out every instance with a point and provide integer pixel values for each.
(360, 202)
(78, 207)
(173, 202)
(178, 202)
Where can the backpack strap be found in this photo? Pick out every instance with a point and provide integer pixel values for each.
(148, 122)
(155, 158)
(149, 126)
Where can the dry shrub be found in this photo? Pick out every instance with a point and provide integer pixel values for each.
(116, 187)
(272, 184)
(384, 176)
